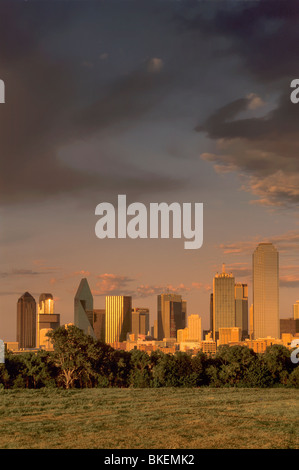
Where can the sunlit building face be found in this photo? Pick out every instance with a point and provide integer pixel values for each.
(118, 318)
(223, 302)
(265, 291)
(46, 304)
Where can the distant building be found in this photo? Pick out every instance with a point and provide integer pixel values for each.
(251, 322)
(260, 345)
(26, 321)
(118, 318)
(155, 329)
(194, 328)
(47, 320)
(211, 312)
(289, 325)
(207, 333)
(172, 311)
(296, 310)
(223, 302)
(194, 346)
(99, 317)
(209, 347)
(140, 321)
(11, 346)
(241, 307)
(182, 335)
(83, 308)
(287, 339)
(265, 291)
(229, 335)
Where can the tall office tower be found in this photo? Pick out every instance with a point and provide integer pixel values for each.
(211, 312)
(155, 329)
(99, 316)
(47, 320)
(140, 321)
(194, 328)
(251, 322)
(46, 304)
(26, 321)
(184, 312)
(289, 326)
(296, 310)
(118, 318)
(223, 302)
(171, 315)
(265, 291)
(241, 306)
(83, 308)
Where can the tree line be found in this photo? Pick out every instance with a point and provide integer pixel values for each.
(79, 361)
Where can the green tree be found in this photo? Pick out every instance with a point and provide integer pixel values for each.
(278, 361)
(174, 370)
(234, 362)
(140, 373)
(36, 371)
(293, 380)
(15, 371)
(74, 355)
(4, 376)
(200, 362)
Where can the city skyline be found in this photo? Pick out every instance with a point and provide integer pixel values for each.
(118, 109)
(228, 309)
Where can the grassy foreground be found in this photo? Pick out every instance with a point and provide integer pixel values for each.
(149, 418)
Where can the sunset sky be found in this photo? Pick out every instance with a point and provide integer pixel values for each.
(177, 101)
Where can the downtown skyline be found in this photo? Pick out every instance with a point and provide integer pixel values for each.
(226, 313)
(165, 103)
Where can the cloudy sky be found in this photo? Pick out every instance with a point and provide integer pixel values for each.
(177, 101)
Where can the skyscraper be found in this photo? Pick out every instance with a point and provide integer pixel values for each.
(296, 310)
(118, 318)
(211, 312)
(140, 321)
(265, 291)
(83, 308)
(241, 304)
(223, 302)
(251, 322)
(171, 315)
(99, 317)
(47, 320)
(26, 321)
(194, 328)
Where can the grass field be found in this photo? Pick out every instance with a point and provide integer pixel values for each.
(149, 418)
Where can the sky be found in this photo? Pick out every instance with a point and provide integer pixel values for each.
(163, 101)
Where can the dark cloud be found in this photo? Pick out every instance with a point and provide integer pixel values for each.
(261, 147)
(46, 109)
(126, 98)
(286, 243)
(289, 281)
(264, 149)
(24, 272)
(263, 34)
